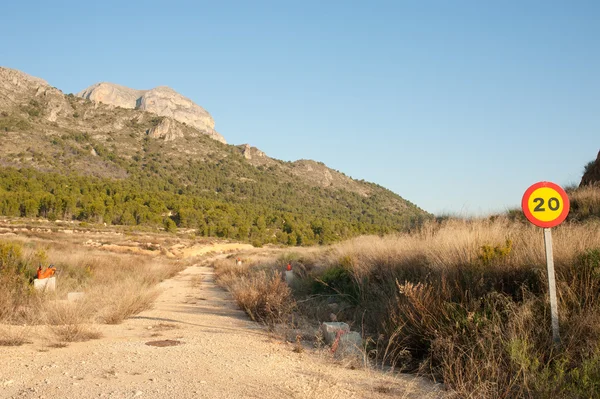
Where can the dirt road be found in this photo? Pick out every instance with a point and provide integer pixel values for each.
(220, 354)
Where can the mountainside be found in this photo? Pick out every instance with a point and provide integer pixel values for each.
(103, 158)
(591, 175)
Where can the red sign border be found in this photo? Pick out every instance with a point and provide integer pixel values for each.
(552, 223)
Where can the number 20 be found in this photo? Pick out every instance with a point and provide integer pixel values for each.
(553, 204)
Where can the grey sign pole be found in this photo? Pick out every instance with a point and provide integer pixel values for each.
(552, 285)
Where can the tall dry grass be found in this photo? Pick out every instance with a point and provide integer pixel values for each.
(585, 203)
(115, 286)
(464, 302)
(259, 291)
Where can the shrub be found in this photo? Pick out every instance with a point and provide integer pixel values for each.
(263, 295)
(465, 302)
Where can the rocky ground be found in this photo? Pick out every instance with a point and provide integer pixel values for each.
(216, 352)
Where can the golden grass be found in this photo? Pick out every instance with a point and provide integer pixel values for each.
(14, 335)
(459, 242)
(115, 286)
(75, 332)
(463, 301)
(585, 202)
(262, 294)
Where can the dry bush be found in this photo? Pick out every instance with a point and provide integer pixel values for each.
(14, 335)
(122, 299)
(465, 301)
(75, 332)
(264, 296)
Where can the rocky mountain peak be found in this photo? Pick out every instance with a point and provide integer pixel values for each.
(15, 84)
(161, 100)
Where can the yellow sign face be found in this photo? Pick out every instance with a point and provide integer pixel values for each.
(545, 204)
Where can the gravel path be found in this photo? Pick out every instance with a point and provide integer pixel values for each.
(221, 354)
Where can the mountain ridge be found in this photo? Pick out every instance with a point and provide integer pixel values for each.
(44, 129)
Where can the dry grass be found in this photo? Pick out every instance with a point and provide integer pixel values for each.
(462, 301)
(14, 335)
(123, 300)
(115, 286)
(75, 332)
(262, 294)
(585, 203)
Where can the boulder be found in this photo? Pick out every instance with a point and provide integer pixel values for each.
(330, 331)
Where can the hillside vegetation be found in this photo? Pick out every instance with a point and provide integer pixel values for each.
(68, 158)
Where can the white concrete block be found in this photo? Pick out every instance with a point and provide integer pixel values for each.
(45, 284)
(289, 276)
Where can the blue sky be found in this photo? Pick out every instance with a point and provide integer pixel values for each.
(458, 106)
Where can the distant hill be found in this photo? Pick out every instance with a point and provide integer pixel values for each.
(122, 156)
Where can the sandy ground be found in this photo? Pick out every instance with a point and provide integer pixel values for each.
(221, 354)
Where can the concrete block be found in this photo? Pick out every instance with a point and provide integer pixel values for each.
(331, 330)
(45, 284)
(289, 276)
(75, 296)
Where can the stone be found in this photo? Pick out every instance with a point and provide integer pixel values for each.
(330, 330)
(344, 343)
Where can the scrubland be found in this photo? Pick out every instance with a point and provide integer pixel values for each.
(464, 302)
(114, 287)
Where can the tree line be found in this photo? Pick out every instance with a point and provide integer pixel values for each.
(255, 211)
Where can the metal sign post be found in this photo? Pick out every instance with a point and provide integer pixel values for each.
(547, 205)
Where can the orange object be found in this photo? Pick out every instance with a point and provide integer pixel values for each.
(49, 272)
(289, 267)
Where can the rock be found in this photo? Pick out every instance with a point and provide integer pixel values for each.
(330, 330)
(591, 175)
(112, 94)
(250, 152)
(162, 101)
(165, 130)
(343, 342)
(17, 87)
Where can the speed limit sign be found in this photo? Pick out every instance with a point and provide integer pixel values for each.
(545, 204)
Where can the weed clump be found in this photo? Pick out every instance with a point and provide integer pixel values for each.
(264, 296)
